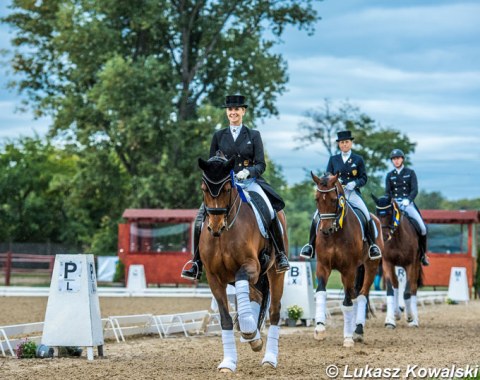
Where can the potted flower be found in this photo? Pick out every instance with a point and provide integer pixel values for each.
(26, 349)
(294, 312)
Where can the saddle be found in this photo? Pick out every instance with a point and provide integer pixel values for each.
(258, 204)
(361, 218)
(415, 224)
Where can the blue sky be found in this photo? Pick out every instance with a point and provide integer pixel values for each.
(411, 65)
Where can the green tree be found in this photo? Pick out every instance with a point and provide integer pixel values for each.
(35, 180)
(372, 141)
(135, 86)
(137, 75)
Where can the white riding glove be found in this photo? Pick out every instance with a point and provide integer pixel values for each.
(351, 185)
(405, 202)
(241, 175)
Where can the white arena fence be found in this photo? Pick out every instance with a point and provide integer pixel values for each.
(188, 324)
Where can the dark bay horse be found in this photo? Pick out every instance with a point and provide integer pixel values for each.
(340, 246)
(233, 250)
(401, 249)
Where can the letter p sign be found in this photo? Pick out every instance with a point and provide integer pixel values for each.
(69, 268)
(70, 274)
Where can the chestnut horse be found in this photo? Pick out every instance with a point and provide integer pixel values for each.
(233, 250)
(340, 246)
(401, 249)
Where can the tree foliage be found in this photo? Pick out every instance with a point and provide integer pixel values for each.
(135, 86)
(35, 180)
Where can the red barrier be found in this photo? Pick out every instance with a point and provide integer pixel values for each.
(9, 259)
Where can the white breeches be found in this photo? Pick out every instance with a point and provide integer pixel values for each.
(357, 201)
(413, 213)
(256, 188)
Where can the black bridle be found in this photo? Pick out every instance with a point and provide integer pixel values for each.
(215, 188)
(394, 222)
(340, 211)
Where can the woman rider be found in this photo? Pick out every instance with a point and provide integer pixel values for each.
(246, 146)
(401, 184)
(351, 169)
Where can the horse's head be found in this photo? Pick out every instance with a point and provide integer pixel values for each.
(217, 189)
(388, 213)
(330, 200)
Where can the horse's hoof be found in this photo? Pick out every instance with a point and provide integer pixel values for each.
(390, 322)
(249, 336)
(227, 366)
(348, 343)
(268, 365)
(413, 324)
(358, 338)
(256, 345)
(320, 335)
(269, 360)
(410, 319)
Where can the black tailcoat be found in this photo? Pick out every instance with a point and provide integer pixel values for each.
(352, 170)
(403, 185)
(248, 152)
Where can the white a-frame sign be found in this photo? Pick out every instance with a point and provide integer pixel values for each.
(73, 310)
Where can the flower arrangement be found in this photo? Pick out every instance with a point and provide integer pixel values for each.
(295, 312)
(26, 350)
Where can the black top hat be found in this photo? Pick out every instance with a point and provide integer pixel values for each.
(344, 135)
(235, 101)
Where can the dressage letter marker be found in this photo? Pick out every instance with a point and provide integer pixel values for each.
(73, 311)
(298, 290)
(458, 286)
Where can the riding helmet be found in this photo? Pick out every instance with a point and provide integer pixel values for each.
(397, 153)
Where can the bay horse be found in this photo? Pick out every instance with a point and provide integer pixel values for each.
(401, 249)
(340, 245)
(233, 251)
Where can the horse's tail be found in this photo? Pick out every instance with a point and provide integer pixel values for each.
(359, 277)
(263, 286)
(420, 276)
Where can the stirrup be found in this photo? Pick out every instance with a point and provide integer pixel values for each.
(306, 255)
(377, 257)
(284, 268)
(194, 277)
(424, 261)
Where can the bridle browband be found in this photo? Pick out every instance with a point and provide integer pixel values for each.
(394, 223)
(221, 210)
(339, 213)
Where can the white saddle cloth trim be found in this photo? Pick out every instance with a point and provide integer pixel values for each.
(361, 226)
(260, 224)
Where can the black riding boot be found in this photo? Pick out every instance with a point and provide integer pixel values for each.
(277, 238)
(374, 251)
(308, 250)
(423, 250)
(195, 272)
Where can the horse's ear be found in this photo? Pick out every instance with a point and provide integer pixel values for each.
(314, 177)
(374, 198)
(202, 164)
(230, 164)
